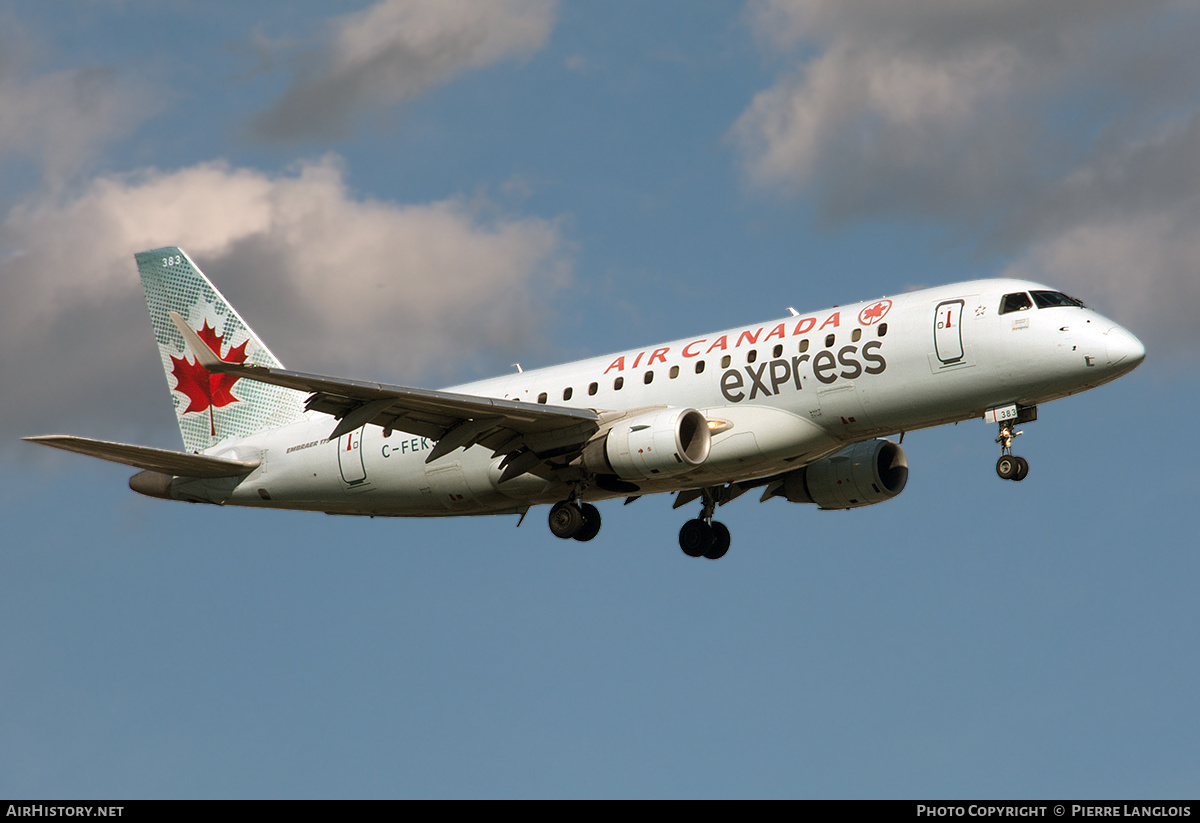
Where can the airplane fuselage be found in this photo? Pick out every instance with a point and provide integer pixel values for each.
(777, 395)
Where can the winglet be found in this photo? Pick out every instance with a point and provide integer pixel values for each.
(205, 356)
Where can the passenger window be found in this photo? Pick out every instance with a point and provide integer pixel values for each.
(804, 346)
(674, 372)
(882, 329)
(567, 392)
(855, 335)
(593, 388)
(618, 383)
(829, 341)
(751, 356)
(725, 362)
(777, 351)
(1017, 301)
(699, 367)
(542, 397)
(648, 378)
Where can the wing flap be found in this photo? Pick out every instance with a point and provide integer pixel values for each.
(144, 457)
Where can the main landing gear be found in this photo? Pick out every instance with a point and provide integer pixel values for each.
(569, 519)
(705, 537)
(701, 537)
(1009, 466)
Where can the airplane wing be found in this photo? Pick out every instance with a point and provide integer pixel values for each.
(526, 433)
(144, 457)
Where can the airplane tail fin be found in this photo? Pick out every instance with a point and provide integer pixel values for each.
(209, 407)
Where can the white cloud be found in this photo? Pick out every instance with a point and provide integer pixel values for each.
(1063, 135)
(330, 281)
(885, 100)
(1142, 269)
(61, 119)
(920, 108)
(1125, 229)
(395, 50)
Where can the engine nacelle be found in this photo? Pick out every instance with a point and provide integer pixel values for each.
(658, 444)
(859, 475)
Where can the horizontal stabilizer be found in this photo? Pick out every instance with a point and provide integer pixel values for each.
(144, 457)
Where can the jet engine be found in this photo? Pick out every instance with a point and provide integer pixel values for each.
(651, 445)
(859, 475)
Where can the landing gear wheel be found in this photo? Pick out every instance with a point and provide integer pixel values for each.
(695, 537)
(1007, 466)
(720, 541)
(591, 523)
(566, 519)
(1022, 469)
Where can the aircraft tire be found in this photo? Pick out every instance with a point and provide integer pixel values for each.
(720, 541)
(1006, 466)
(695, 537)
(1022, 469)
(591, 523)
(566, 519)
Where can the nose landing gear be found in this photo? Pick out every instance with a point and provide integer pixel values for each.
(1012, 467)
(1009, 466)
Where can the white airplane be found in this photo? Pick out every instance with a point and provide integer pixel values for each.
(794, 405)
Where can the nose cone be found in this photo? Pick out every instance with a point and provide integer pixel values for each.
(1124, 350)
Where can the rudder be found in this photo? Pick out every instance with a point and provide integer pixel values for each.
(209, 407)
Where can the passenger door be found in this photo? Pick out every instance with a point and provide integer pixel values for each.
(952, 321)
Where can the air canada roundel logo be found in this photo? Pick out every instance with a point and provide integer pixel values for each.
(874, 313)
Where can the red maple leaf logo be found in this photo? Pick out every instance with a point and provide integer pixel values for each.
(873, 314)
(203, 389)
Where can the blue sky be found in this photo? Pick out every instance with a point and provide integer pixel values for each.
(424, 193)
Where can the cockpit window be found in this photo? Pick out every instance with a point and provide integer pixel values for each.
(1017, 301)
(1048, 299)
